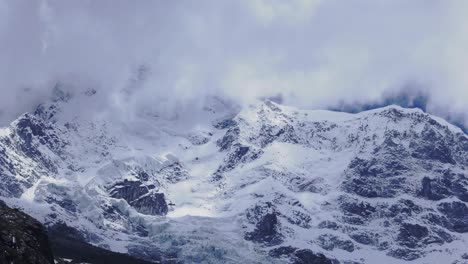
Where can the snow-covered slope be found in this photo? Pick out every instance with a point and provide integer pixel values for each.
(263, 184)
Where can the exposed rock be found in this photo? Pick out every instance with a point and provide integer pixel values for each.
(432, 193)
(229, 138)
(306, 256)
(432, 147)
(376, 177)
(237, 154)
(22, 238)
(355, 211)
(301, 256)
(224, 123)
(282, 251)
(174, 172)
(153, 204)
(365, 238)
(141, 197)
(405, 253)
(329, 225)
(266, 230)
(457, 216)
(199, 138)
(411, 235)
(330, 242)
(402, 209)
(445, 185)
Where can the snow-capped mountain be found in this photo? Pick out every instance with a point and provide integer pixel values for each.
(264, 183)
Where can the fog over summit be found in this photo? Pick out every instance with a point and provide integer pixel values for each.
(247, 131)
(313, 53)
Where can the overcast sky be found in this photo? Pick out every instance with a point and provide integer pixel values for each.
(315, 53)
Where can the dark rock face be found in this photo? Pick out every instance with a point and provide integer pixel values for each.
(266, 230)
(355, 208)
(141, 197)
(229, 138)
(303, 184)
(329, 225)
(432, 146)
(22, 238)
(404, 253)
(269, 133)
(306, 256)
(174, 172)
(154, 204)
(411, 235)
(456, 214)
(330, 242)
(445, 185)
(199, 138)
(429, 192)
(403, 208)
(237, 154)
(129, 190)
(411, 238)
(30, 143)
(29, 132)
(438, 152)
(379, 177)
(365, 238)
(301, 256)
(224, 123)
(235, 157)
(282, 251)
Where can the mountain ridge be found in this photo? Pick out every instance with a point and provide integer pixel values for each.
(276, 183)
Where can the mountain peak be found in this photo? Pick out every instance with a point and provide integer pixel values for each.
(275, 182)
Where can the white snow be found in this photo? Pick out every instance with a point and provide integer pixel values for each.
(203, 212)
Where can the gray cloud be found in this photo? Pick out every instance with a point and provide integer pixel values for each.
(313, 53)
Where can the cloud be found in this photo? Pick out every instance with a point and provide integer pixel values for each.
(294, 11)
(309, 53)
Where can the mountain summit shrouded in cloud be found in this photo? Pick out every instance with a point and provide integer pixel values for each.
(314, 53)
(248, 131)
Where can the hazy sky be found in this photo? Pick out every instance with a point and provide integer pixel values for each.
(316, 53)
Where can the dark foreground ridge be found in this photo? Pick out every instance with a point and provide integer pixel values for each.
(25, 240)
(68, 243)
(22, 238)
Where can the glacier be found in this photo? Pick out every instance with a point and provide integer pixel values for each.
(261, 183)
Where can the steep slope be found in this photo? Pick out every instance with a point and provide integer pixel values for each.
(25, 240)
(69, 246)
(22, 238)
(391, 180)
(268, 184)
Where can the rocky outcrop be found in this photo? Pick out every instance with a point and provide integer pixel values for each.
(330, 242)
(22, 238)
(140, 196)
(455, 216)
(266, 230)
(301, 256)
(443, 185)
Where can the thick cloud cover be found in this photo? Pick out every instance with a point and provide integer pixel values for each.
(314, 53)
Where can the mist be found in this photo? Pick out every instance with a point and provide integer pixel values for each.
(310, 53)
